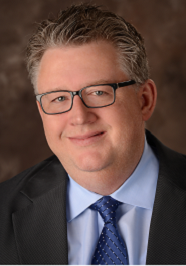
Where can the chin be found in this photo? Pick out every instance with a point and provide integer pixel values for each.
(91, 164)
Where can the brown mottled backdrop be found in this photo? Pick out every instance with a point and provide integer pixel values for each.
(163, 25)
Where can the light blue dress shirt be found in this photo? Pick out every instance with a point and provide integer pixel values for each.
(84, 226)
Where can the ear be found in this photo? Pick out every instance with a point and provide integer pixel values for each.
(40, 109)
(147, 97)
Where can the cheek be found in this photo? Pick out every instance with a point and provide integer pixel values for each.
(130, 112)
(125, 121)
(53, 127)
(120, 116)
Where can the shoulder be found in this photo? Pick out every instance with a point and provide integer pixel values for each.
(9, 188)
(24, 198)
(171, 163)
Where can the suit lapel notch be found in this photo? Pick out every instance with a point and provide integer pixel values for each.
(40, 228)
(46, 179)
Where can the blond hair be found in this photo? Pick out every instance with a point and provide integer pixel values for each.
(85, 23)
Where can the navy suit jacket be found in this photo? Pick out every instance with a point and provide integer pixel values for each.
(33, 227)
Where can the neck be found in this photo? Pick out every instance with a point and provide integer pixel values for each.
(109, 179)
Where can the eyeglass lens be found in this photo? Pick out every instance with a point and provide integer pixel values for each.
(94, 96)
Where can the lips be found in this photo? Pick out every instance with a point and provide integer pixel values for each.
(87, 139)
(88, 135)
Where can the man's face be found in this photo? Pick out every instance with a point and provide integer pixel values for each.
(90, 139)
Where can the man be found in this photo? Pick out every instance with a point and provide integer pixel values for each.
(110, 194)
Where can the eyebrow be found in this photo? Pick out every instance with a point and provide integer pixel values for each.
(98, 82)
(101, 81)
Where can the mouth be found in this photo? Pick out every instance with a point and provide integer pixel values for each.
(87, 139)
(101, 133)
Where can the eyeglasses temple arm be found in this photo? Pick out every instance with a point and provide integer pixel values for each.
(126, 83)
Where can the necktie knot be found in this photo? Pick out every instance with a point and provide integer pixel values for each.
(107, 207)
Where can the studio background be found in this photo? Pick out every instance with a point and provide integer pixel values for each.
(161, 23)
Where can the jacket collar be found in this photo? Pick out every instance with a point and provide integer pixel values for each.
(40, 228)
(167, 230)
(50, 175)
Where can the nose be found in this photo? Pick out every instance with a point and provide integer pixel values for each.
(80, 114)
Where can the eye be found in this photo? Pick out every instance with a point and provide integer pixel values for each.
(60, 99)
(99, 93)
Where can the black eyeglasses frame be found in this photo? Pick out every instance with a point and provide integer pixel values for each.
(115, 86)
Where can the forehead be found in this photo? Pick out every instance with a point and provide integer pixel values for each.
(78, 66)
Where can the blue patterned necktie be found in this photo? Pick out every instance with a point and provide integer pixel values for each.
(111, 248)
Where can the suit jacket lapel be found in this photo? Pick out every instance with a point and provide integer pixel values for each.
(167, 237)
(40, 228)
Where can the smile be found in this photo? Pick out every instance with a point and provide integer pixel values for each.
(87, 139)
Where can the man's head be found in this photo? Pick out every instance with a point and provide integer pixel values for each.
(80, 24)
(98, 147)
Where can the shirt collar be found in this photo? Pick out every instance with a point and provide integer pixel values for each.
(78, 199)
(138, 190)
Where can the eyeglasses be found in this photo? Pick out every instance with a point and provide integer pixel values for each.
(97, 96)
